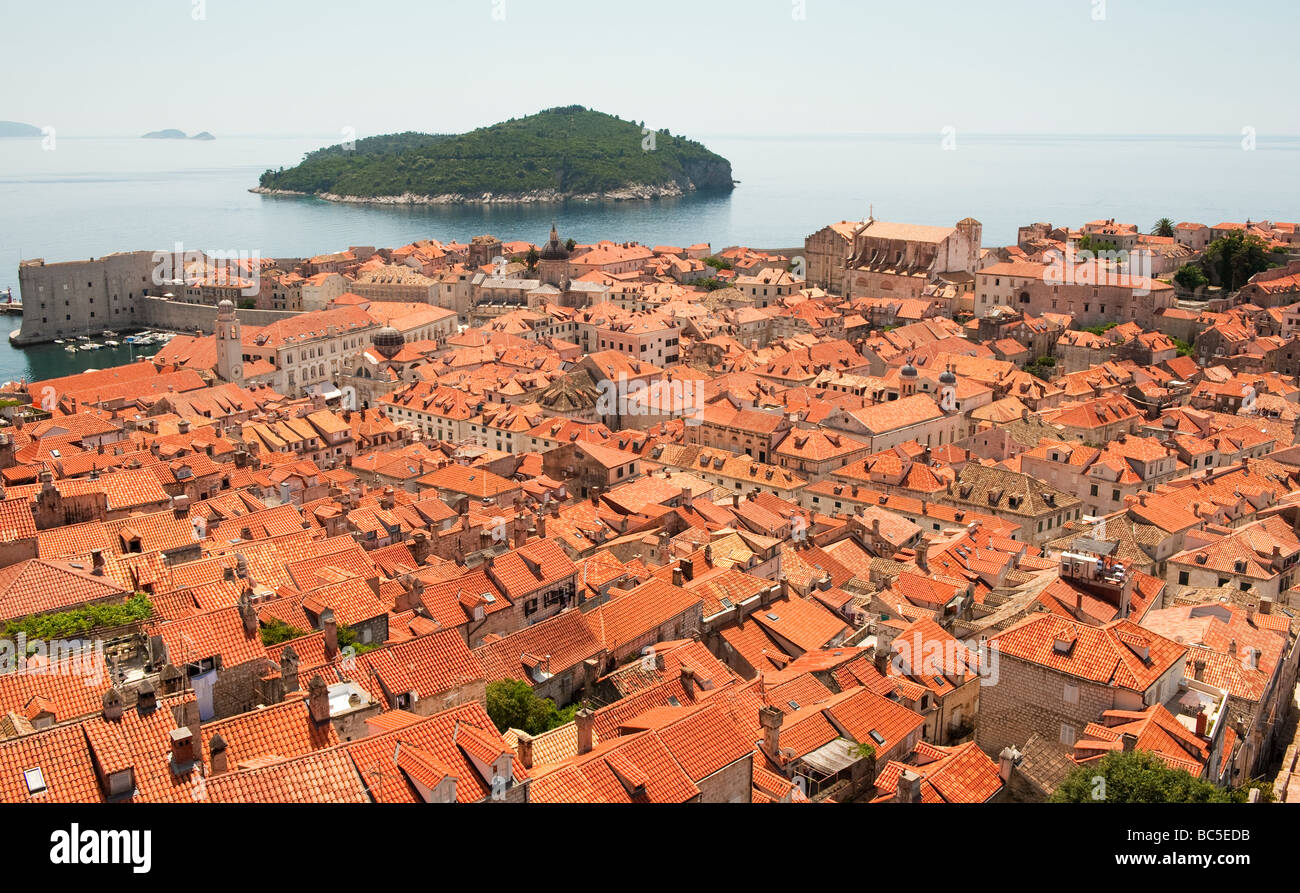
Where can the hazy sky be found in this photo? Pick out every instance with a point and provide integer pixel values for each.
(695, 66)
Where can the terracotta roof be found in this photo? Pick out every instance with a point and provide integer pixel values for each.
(1120, 654)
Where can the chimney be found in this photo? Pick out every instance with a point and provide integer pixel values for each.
(97, 563)
(289, 669)
(526, 749)
(1266, 605)
(909, 787)
(419, 546)
(1128, 741)
(182, 746)
(688, 682)
(112, 701)
(146, 698)
(590, 673)
(770, 718)
(1198, 669)
(1201, 721)
(923, 554)
(318, 700)
(1007, 761)
(677, 575)
(217, 750)
(880, 659)
(247, 612)
(331, 630)
(585, 721)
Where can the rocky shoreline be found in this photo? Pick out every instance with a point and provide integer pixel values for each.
(637, 192)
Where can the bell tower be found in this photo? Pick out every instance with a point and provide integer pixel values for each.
(230, 347)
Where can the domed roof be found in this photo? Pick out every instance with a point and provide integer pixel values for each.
(908, 371)
(554, 249)
(225, 304)
(947, 377)
(388, 342)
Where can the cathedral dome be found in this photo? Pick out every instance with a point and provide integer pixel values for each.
(554, 249)
(388, 342)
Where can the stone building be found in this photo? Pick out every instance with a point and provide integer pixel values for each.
(1050, 676)
(898, 260)
(64, 300)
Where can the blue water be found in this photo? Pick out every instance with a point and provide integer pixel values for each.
(90, 197)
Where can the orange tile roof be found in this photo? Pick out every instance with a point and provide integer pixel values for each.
(536, 565)
(42, 585)
(562, 641)
(442, 737)
(961, 774)
(1111, 655)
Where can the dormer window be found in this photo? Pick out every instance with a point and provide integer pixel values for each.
(1063, 644)
(35, 779)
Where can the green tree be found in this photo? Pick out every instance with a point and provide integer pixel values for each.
(277, 631)
(512, 704)
(1088, 243)
(348, 639)
(1242, 794)
(1101, 328)
(1191, 277)
(1163, 227)
(1229, 262)
(78, 621)
(1136, 776)
(532, 258)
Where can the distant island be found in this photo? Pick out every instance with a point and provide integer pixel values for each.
(554, 155)
(172, 134)
(18, 129)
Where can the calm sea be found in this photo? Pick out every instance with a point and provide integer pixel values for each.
(90, 197)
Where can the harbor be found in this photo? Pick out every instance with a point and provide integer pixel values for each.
(72, 355)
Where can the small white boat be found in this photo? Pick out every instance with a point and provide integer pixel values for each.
(109, 333)
(89, 346)
(110, 344)
(71, 348)
(83, 337)
(58, 340)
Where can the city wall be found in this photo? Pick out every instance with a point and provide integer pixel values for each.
(64, 300)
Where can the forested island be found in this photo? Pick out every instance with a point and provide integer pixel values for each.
(173, 134)
(18, 129)
(554, 155)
